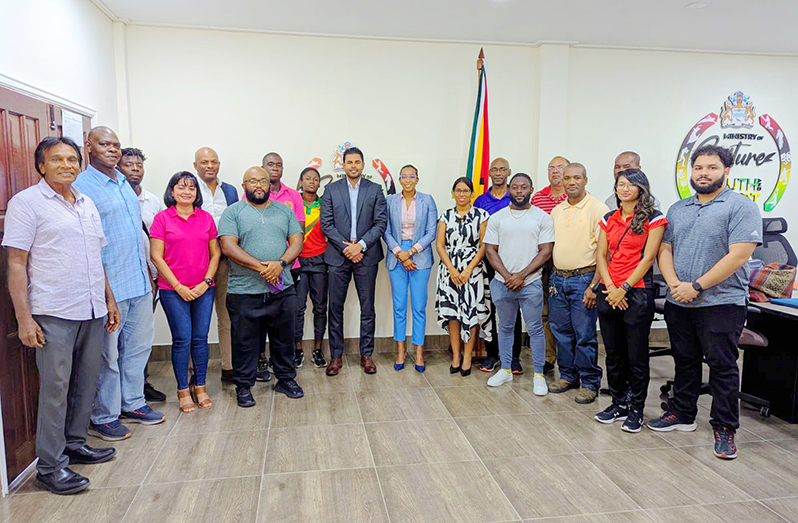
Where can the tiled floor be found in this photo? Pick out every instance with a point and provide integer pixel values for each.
(405, 447)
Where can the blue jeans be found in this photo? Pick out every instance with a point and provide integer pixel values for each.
(418, 281)
(125, 353)
(189, 322)
(574, 328)
(530, 300)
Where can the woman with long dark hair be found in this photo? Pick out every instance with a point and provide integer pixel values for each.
(628, 245)
(184, 248)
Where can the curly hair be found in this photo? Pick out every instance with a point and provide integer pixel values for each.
(645, 201)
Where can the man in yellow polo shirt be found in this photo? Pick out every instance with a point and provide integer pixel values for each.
(572, 302)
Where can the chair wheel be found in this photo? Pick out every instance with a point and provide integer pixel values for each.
(665, 388)
(664, 406)
(764, 412)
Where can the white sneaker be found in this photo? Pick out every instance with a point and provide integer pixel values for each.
(539, 386)
(500, 378)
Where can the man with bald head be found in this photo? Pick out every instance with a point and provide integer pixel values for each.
(216, 197)
(120, 392)
(494, 200)
(261, 298)
(625, 160)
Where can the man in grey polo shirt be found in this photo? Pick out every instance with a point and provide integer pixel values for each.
(703, 258)
(260, 292)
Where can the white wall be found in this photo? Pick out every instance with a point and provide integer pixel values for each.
(247, 94)
(63, 47)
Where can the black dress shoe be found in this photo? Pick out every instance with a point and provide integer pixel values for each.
(465, 372)
(64, 481)
(152, 394)
(86, 455)
(453, 369)
(244, 397)
(289, 387)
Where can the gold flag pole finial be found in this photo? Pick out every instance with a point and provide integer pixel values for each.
(480, 59)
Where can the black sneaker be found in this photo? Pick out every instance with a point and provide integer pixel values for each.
(516, 367)
(725, 448)
(263, 373)
(244, 397)
(634, 421)
(289, 387)
(299, 358)
(153, 394)
(548, 368)
(490, 364)
(669, 422)
(612, 414)
(318, 359)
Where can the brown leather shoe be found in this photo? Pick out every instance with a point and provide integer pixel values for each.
(368, 365)
(334, 367)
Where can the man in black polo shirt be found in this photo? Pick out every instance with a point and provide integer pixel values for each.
(703, 258)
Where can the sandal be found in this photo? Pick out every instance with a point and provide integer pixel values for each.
(200, 395)
(186, 401)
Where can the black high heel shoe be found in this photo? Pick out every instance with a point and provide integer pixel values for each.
(465, 372)
(453, 370)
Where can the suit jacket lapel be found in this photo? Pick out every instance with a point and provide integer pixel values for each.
(361, 197)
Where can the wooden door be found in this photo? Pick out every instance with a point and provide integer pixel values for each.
(24, 121)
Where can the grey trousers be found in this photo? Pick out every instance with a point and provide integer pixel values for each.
(69, 368)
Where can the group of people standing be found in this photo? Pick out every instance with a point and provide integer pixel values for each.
(558, 257)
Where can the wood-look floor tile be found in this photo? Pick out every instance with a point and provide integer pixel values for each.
(790, 445)
(137, 430)
(761, 469)
(638, 516)
(315, 409)
(588, 435)
(513, 436)
(225, 416)
(315, 381)
(400, 404)
(419, 441)
(746, 512)
(333, 496)
(209, 456)
(451, 492)
(321, 447)
(766, 428)
(92, 506)
(786, 508)
(233, 500)
(132, 461)
(386, 377)
(562, 402)
(479, 401)
(437, 373)
(662, 478)
(550, 486)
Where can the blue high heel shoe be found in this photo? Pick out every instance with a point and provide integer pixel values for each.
(421, 368)
(398, 366)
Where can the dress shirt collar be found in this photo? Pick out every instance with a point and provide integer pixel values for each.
(48, 191)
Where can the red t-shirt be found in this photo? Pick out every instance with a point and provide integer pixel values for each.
(626, 250)
(185, 248)
(315, 242)
(543, 200)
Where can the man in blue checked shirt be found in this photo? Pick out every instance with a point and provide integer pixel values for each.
(120, 392)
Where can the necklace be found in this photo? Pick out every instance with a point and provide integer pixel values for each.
(522, 214)
(262, 212)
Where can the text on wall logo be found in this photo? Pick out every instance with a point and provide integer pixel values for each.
(338, 169)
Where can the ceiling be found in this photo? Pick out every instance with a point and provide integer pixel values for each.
(750, 26)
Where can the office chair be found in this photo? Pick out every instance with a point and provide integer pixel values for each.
(775, 248)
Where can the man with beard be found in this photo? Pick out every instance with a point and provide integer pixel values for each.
(132, 166)
(518, 242)
(703, 257)
(120, 392)
(261, 298)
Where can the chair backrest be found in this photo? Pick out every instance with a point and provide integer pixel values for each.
(775, 248)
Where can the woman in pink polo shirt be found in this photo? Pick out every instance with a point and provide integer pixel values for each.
(184, 248)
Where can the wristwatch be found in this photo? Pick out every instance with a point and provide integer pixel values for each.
(625, 286)
(283, 263)
(208, 281)
(697, 286)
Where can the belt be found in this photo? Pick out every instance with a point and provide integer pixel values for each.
(575, 272)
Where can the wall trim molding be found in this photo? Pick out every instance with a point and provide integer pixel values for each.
(45, 96)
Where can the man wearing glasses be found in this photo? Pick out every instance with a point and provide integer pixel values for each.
(496, 199)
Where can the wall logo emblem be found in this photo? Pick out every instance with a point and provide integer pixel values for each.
(338, 169)
(762, 159)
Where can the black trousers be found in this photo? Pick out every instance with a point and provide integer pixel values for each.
(492, 347)
(625, 334)
(252, 317)
(365, 282)
(313, 281)
(710, 333)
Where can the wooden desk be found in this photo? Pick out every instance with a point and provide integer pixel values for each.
(771, 372)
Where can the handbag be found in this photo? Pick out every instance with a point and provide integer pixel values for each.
(774, 280)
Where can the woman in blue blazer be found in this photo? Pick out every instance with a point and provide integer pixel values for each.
(412, 223)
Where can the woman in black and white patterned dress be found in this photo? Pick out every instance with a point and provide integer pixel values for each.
(463, 292)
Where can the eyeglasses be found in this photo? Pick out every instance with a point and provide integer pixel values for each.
(624, 185)
(462, 191)
(255, 183)
(407, 177)
(495, 170)
(556, 168)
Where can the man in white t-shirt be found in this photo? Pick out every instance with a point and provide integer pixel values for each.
(519, 241)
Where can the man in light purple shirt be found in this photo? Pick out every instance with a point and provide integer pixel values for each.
(62, 301)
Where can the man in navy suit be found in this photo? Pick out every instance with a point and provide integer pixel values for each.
(353, 218)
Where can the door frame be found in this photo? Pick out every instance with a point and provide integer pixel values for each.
(48, 97)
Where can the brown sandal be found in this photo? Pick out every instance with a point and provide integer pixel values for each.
(200, 395)
(186, 401)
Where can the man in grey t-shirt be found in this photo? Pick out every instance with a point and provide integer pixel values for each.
(518, 242)
(703, 257)
(260, 290)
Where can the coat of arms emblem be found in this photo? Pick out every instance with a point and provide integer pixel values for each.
(738, 112)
